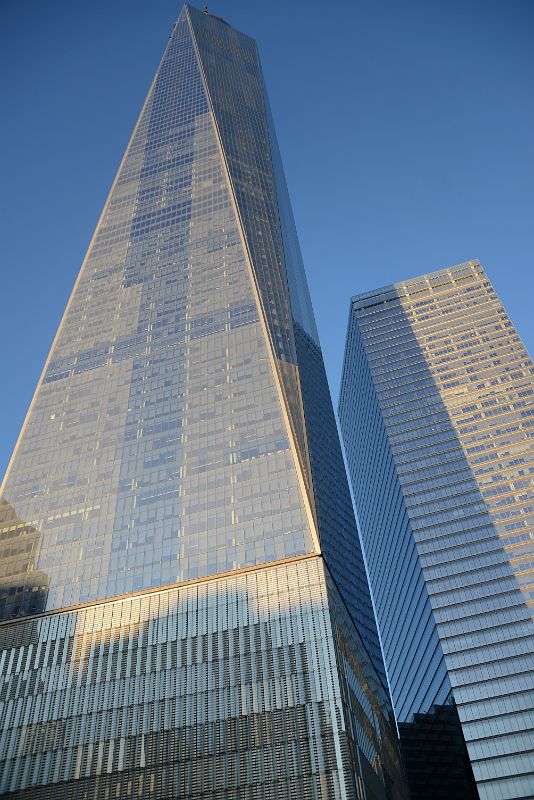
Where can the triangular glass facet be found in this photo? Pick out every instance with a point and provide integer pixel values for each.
(240, 109)
(157, 447)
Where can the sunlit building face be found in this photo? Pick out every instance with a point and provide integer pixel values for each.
(185, 606)
(436, 410)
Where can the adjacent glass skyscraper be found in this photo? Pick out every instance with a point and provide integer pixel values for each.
(186, 612)
(437, 415)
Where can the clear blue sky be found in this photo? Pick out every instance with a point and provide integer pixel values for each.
(406, 130)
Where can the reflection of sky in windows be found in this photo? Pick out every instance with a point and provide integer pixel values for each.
(245, 127)
(184, 428)
(156, 449)
(435, 367)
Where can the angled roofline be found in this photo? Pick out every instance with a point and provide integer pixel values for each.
(402, 288)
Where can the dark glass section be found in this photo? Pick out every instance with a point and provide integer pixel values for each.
(404, 614)
(300, 300)
(435, 756)
(23, 588)
(372, 748)
(338, 533)
(335, 516)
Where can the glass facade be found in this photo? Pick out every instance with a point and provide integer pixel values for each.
(436, 410)
(242, 686)
(156, 449)
(182, 429)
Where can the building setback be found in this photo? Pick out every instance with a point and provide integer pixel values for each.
(186, 611)
(437, 415)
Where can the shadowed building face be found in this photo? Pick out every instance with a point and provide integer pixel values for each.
(436, 411)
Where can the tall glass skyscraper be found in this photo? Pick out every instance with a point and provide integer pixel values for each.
(437, 415)
(186, 612)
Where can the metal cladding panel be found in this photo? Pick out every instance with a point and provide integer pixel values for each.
(244, 686)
